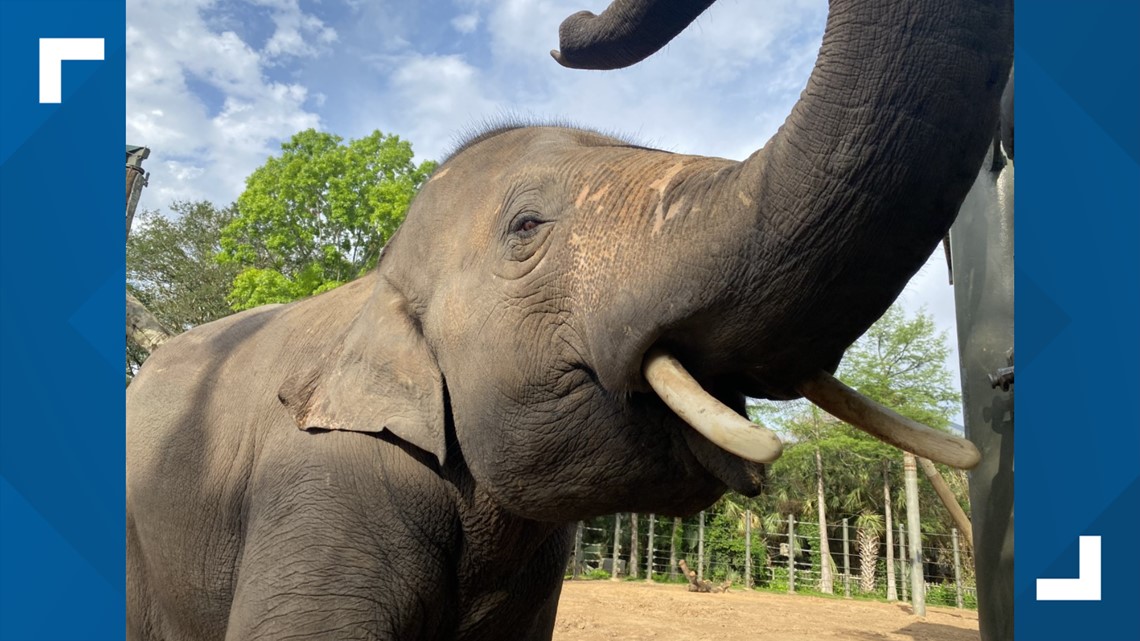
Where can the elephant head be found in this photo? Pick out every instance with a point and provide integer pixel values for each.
(566, 291)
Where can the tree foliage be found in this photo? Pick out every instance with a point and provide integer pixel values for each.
(899, 362)
(172, 267)
(318, 215)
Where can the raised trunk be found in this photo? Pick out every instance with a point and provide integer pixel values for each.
(867, 173)
(627, 32)
(821, 229)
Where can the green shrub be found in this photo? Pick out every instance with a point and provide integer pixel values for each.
(596, 574)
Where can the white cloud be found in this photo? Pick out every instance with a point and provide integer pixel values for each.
(465, 23)
(202, 150)
(434, 95)
(292, 25)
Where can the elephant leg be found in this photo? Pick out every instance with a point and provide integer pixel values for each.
(300, 579)
(543, 627)
(334, 550)
(140, 610)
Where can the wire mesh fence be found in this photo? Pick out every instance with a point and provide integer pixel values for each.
(784, 554)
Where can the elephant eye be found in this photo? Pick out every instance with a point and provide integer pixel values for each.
(525, 225)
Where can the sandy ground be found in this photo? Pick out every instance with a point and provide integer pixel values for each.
(595, 610)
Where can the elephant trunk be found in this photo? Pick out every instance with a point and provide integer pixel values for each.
(850, 197)
(626, 33)
(867, 174)
(809, 241)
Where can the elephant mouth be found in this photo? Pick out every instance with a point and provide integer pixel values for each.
(737, 435)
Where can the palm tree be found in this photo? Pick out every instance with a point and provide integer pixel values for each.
(869, 526)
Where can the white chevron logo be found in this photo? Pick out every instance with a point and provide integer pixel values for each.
(53, 51)
(1086, 587)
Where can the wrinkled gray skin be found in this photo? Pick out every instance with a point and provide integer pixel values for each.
(400, 458)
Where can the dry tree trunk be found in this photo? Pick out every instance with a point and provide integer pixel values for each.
(701, 585)
(892, 591)
(948, 499)
(825, 579)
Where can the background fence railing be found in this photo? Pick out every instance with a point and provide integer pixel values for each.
(788, 558)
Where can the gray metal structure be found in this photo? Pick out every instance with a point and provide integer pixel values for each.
(136, 179)
(982, 250)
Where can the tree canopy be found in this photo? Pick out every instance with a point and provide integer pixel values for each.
(172, 267)
(318, 215)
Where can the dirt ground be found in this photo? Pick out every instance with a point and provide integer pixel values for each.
(596, 610)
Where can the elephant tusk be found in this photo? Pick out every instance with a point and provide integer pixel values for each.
(708, 416)
(887, 425)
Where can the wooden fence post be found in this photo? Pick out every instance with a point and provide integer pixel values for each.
(914, 536)
(577, 569)
(791, 554)
(846, 561)
(701, 549)
(616, 573)
(633, 560)
(957, 568)
(649, 553)
(673, 548)
(903, 567)
(748, 549)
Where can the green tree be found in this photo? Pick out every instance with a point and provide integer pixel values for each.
(899, 362)
(318, 215)
(172, 268)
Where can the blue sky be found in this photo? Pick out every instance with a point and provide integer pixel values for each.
(214, 86)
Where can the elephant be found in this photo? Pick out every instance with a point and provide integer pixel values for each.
(566, 325)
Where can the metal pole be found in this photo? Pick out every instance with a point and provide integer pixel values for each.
(673, 548)
(748, 549)
(650, 551)
(847, 561)
(577, 569)
(957, 568)
(791, 554)
(136, 180)
(914, 535)
(701, 548)
(615, 574)
(981, 243)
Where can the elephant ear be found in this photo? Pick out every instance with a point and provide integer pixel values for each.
(382, 376)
